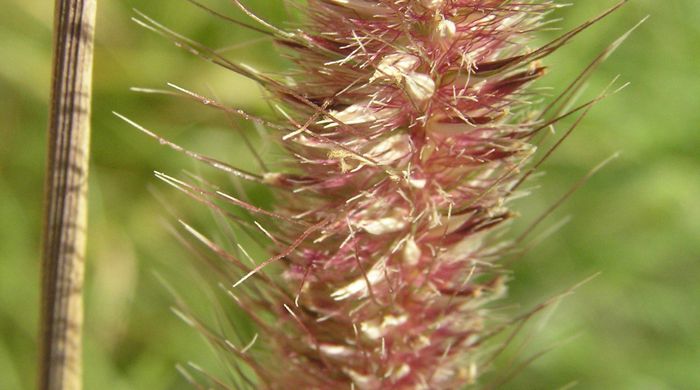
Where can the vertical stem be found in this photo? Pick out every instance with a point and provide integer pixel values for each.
(65, 212)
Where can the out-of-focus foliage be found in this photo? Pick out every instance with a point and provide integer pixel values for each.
(637, 222)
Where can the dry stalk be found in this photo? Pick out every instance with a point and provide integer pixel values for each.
(65, 198)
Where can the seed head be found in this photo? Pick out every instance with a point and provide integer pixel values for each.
(404, 173)
(409, 125)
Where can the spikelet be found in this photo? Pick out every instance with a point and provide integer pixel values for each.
(409, 128)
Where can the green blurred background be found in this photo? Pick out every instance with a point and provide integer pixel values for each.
(636, 326)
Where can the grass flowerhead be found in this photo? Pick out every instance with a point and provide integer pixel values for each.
(410, 128)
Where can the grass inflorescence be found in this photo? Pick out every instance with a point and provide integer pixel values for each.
(410, 128)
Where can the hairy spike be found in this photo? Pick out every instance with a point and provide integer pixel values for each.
(409, 126)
